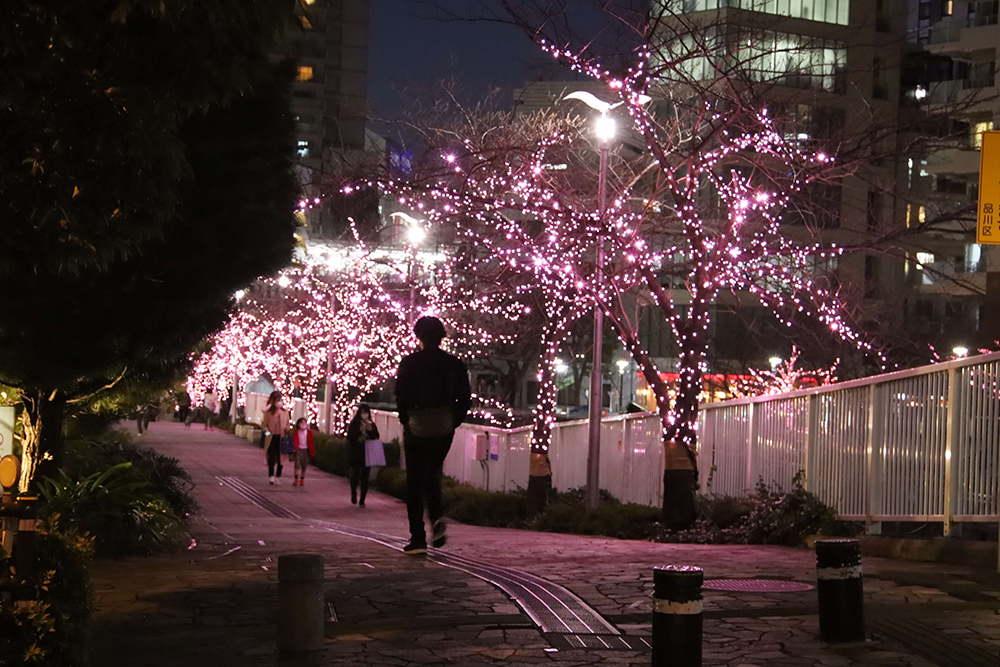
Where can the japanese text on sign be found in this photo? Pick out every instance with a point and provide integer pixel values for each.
(987, 221)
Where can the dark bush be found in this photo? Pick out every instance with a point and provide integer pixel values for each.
(96, 453)
(467, 504)
(568, 513)
(124, 513)
(53, 630)
(769, 516)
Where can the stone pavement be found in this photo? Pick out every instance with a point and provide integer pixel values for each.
(215, 603)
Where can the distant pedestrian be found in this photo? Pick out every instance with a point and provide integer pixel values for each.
(360, 431)
(211, 405)
(433, 398)
(274, 423)
(147, 412)
(183, 407)
(304, 448)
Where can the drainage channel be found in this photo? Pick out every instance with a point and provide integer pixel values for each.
(565, 619)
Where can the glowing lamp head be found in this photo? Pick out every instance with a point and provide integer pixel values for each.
(775, 362)
(960, 352)
(416, 235)
(604, 128)
(284, 281)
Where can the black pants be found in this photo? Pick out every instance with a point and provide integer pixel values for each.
(274, 455)
(359, 475)
(424, 459)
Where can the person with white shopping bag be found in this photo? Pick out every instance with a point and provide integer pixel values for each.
(364, 450)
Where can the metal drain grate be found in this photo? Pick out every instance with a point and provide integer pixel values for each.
(922, 638)
(756, 585)
(601, 642)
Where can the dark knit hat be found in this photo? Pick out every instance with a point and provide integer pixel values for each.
(429, 330)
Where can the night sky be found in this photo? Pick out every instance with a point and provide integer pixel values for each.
(407, 47)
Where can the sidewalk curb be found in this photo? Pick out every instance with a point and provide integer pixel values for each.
(935, 550)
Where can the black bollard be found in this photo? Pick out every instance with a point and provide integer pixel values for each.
(677, 616)
(300, 603)
(841, 591)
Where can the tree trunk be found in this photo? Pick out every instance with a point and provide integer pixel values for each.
(545, 405)
(42, 446)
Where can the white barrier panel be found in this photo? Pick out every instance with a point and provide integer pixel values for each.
(921, 444)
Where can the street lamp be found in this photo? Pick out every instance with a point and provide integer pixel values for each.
(604, 130)
(775, 362)
(960, 352)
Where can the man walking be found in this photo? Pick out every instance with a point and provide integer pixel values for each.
(433, 398)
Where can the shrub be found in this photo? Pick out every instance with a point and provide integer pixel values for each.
(468, 504)
(768, 516)
(53, 629)
(166, 478)
(568, 513)
(123, 513)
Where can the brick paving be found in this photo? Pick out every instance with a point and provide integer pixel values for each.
(215, 603)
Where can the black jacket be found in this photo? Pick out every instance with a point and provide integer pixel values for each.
(432, 378)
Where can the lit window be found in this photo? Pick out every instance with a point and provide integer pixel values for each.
(306, 23)
(922, 217)
(924, 258)
(305, 73)
(303, 148)
(977, 132)
(949, 7)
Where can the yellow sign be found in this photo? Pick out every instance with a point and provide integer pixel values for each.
(988, 218)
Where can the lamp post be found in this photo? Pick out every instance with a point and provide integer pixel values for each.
(604, 130)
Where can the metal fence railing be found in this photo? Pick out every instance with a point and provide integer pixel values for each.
(918, 445)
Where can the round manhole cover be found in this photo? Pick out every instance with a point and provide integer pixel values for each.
(756, 585)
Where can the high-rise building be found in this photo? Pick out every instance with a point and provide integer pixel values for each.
(953, 80)
(329, 96)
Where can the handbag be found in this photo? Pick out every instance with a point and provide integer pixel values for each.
(287, 445)
(374, 453)
(431, 422)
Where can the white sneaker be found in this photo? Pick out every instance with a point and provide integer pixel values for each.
(270, 480)
(277, 481)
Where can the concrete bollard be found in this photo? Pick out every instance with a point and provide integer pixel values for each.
(841, 591)
(677, 620)
(300, 603)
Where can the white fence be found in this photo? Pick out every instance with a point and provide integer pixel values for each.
(919, 445)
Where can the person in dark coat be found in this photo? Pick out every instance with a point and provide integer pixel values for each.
(359, 431)
(433, 398)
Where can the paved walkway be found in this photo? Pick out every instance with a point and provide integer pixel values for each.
(215, 603)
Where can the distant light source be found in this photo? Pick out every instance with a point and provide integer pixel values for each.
(960, 351)
(561, 366)
(622, 365)
(240, 294)
(605, 128)
(284, 281)
(775, 362)
(920, 93)
(416, 234)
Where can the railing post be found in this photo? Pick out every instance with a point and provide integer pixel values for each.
(950, 453)
(812, 417)
(751, 443)
(875, 459)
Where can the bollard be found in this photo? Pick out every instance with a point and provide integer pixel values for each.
(841, 591)
(300, 603)
(677, 616)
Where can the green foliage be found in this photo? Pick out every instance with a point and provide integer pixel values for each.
(164, 475)
(568, 513)
(53, 628)
(123, 513)
(467, 504)
(768, 516)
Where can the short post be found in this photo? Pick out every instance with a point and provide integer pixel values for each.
(300, 603)
(677, 620)
(841, 590)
